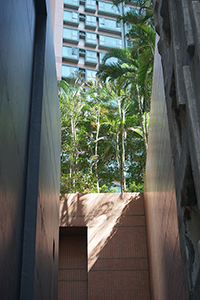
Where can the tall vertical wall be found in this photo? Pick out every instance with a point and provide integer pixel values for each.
(29, 151)
(178, 25)
(166, 273)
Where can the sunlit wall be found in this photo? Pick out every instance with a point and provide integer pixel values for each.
(165, 262)
(117, 264)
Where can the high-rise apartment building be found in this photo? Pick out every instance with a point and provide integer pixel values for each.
(85, 31)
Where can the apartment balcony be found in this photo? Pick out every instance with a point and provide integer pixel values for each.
(91, 39)
(71, 18)
(71, 4)
(108, 9)
(91, 58)
(71, 35)
(109, 25)
(70, 54)
(90, 5)
(69, 71)
(90, 22)
(107, 42)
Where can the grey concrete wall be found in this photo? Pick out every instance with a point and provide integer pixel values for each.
(165, 263)
(29, 151)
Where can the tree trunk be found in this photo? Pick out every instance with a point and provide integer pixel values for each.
(120, 168)
(96, 149)
(144, 131)
(73, 155)
(118, 161)
(123, 151)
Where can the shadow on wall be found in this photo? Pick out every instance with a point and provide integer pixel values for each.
(165, 262)
(117, 252)
(100, 213)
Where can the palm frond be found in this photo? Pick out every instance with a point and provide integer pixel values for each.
(123, 55)
(113, 71)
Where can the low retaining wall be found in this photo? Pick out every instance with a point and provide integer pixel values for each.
(111, 252)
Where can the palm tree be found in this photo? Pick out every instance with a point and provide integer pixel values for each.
(72, 102)
(135, 64)
(125, 74)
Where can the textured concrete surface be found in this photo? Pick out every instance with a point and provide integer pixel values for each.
(117, 263)
(178, 25)
(166, 270)
(30, 143)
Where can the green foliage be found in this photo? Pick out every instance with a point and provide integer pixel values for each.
(105, 189)
(91, 152)
(105, 126)
(134, 68)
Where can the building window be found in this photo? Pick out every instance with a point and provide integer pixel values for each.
(90, 21)
(71, 35)
(107, 8)
(70, 53)
(109, 25)
(71, 3)
(90, 74)
(71, 17)
(91, 57)
(74, 51)
(102, 22)
(69, 72)
(109, 42)
(90, 5)
(91, 39)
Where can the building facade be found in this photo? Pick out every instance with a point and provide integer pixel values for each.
(85, 31)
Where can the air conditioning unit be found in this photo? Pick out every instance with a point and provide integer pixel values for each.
(81, 52)
(82, 17)
(81, 34)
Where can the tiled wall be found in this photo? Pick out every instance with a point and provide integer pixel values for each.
(29, 151)
(73, 279)
(116, 243)
(166, 271)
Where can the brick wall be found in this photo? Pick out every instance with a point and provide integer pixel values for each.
(29, 151)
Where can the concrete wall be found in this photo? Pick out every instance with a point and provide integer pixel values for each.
(15, 87)
(117, 263)
(165, 261)
(177, 23)
(29, 150)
